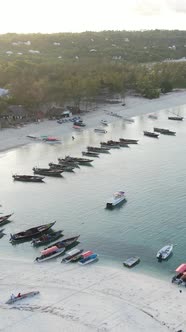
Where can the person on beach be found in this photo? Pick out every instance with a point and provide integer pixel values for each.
(73, 137)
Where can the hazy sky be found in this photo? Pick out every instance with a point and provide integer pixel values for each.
(47, 16)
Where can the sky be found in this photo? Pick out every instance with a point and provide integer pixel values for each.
(49, 16)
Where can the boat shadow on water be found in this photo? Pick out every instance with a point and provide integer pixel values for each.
(116, 207)
(165, 260)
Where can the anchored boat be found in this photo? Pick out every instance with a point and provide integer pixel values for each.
(164, 252)
(31, 232)
(116, 199)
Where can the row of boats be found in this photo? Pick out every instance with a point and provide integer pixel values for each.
(42, 235)
(69, 163)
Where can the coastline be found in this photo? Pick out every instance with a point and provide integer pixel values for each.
(96, 297)
(91, 298)
(135, 106)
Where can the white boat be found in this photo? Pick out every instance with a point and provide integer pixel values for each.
(71, 255)
(164, 252)
(116, 199)
(19, 297)
(100, 130)
(49, 253)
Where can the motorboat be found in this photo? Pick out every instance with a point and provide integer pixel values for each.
(72, 254)
(180, 277)
(19, 297)
(132, 261)
(116, 199)
(151, 134)
(49, 253)
(164, 131)
(99, 130)
(88, 259)
(31, 232)
(164, 252)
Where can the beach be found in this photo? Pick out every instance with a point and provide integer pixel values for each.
(95, 297)
(11, 138)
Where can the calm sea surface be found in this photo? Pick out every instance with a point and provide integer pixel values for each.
(152, 173)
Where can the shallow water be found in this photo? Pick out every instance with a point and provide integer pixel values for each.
(152, 174)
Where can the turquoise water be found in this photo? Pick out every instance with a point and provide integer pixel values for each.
(152, 173)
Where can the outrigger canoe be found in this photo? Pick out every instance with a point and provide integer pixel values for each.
(22, 296)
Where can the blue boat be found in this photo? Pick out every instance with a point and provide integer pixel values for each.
(88, 259)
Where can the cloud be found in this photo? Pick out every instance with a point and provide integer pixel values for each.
(178, 6)
(148, 7)
(157, 7)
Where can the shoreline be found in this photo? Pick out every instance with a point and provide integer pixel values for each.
(95, 299)
(135, 106)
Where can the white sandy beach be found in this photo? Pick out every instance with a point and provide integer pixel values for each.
(93, 297)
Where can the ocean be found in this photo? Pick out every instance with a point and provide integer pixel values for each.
(152, 174)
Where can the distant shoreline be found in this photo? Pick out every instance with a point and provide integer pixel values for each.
(11, 138)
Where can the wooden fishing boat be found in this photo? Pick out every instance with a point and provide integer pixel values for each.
(48, 171)
(65, 162)
(132, 261)
(19, 297)
(110, 144)
(129, 140)
(28, 178)
(151, 134)
(5, 219)
(164, 131)
(90, 154)
(31, 232)
(81, 161)
(46, 238)
(64, 168)
(104, 149)
(66, 242)
(72, 255)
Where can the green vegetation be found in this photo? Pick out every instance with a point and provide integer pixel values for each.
(66, 67)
